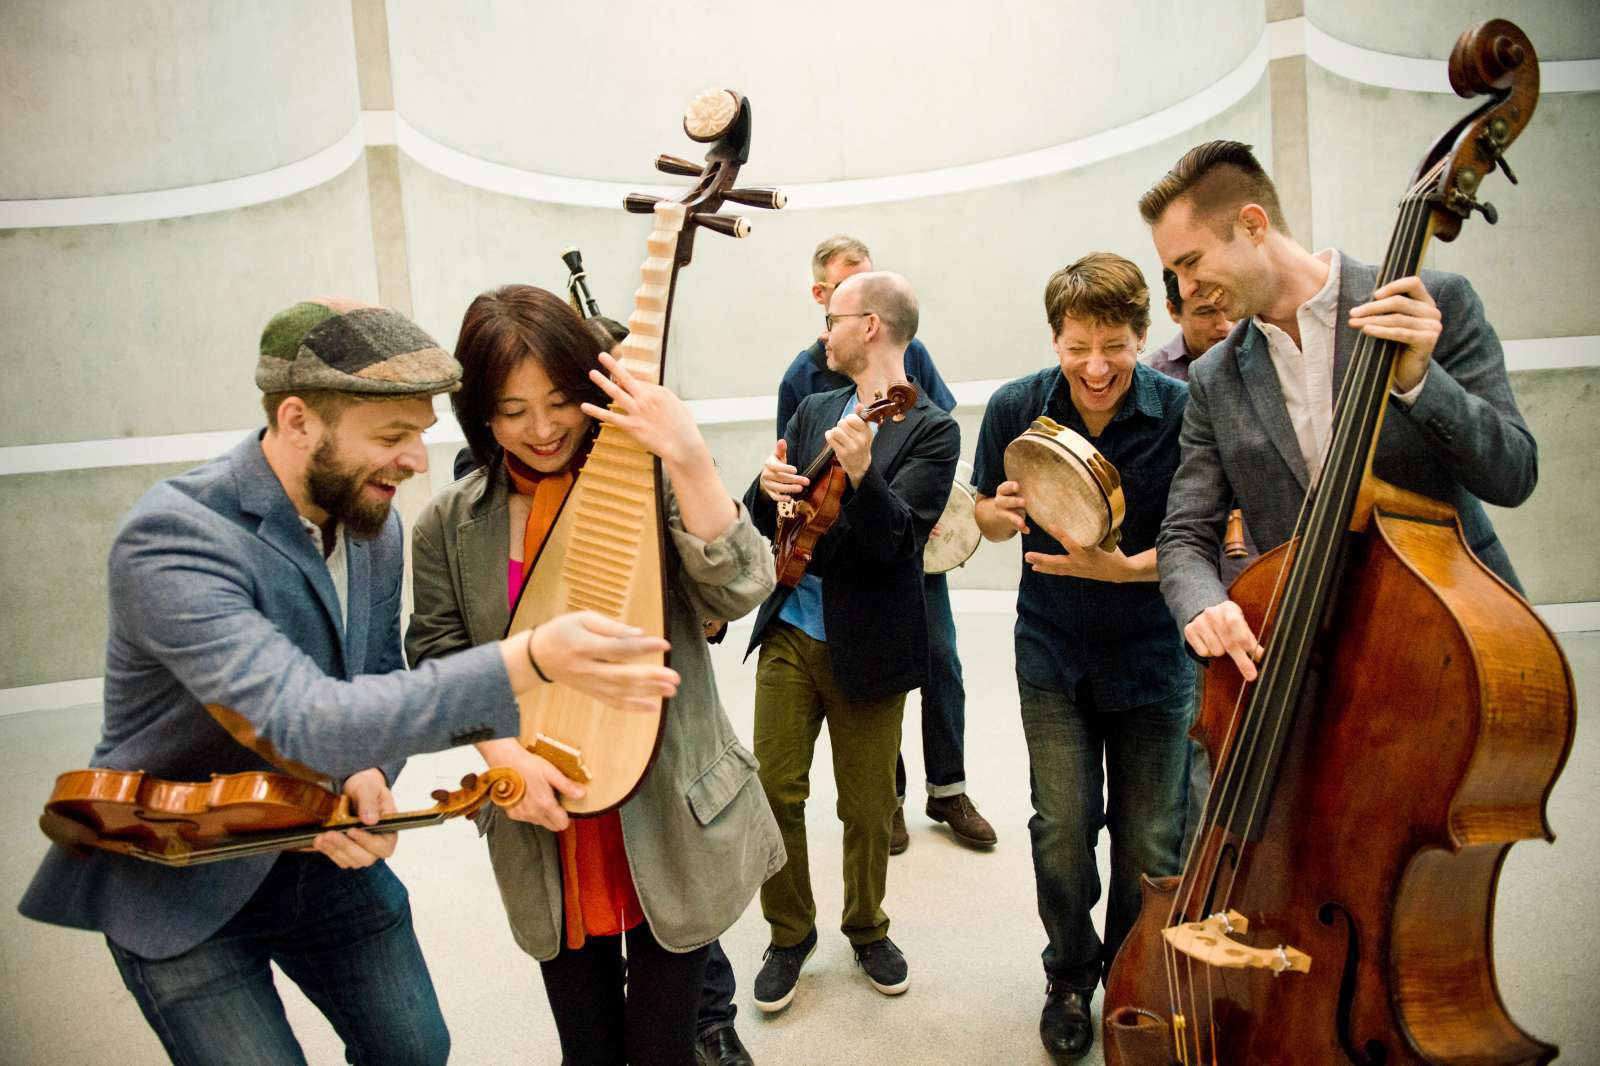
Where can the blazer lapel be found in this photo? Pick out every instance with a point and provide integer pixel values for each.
(1356, 282)
(261, 494)
(893, 436)
(1260, 379)
(358, 565)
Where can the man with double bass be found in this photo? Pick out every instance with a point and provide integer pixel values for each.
(1105, 687)
(1261, 402)
(846, 645)
(255, 626)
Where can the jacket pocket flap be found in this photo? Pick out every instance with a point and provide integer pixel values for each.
(714, 789)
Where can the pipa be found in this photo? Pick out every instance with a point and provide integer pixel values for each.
(606, 551)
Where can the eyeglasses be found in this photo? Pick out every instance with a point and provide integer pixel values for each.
(830, 320)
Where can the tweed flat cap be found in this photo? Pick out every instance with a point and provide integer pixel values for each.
(344, 346)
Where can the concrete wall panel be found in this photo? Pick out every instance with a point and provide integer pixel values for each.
(152, 327)
(1427, 29)
(167, 93)
(840, 89)
(1366, 141)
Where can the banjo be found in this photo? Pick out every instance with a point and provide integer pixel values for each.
(957, 537)
(1068, 484)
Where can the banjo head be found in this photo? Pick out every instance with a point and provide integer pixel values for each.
(1067, 483)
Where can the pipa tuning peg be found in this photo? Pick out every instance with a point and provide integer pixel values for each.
(671, 164)
(637, 203)
(732, 225)
(769, 199)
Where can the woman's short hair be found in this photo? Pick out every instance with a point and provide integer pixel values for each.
(501, 329)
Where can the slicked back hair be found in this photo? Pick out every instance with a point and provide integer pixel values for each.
(1218, 177)
(1102, 288)
(838, 245)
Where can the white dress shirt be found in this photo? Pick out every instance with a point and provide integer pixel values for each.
(338, 564)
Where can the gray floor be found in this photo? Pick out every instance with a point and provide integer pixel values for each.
(965, 919)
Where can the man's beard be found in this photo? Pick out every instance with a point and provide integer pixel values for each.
(337, 489)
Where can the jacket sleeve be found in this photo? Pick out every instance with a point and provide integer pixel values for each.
(1190, 541)
(789, 396)
(889, 520)
(727, 577)
(1466, 411)
(438, 625)
(182, 594)
(919, 363)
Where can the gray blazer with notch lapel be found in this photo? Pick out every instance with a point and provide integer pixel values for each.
(1462, 441)
(699, 835)
(218, 595)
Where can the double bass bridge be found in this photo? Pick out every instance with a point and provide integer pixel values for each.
(1211, 941)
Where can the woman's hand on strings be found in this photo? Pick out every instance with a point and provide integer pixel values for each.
(650, 413)
(1222, 630)
(592, 653)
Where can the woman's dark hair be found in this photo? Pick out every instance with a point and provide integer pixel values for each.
(502, 328)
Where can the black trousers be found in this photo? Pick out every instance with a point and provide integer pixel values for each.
(652, 1023)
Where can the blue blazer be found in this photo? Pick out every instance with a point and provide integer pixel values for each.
(1461, 442)
(219, 596)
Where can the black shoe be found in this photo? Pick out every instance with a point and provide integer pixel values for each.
(899, 839)
(721, 1047)
(780, 972)
(1064, 1026)
(884, 966)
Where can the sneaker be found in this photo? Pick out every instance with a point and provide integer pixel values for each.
(963, 818)
(899, 839)
(721, 1047)
(884, 966)
(780, 972)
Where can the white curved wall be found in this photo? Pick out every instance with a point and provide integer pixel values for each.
(118, 98)
(1427, 29)
(840, 89)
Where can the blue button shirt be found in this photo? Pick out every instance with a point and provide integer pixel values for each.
(1119, 637)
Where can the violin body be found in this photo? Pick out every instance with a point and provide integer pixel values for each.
(1380, 854)
(796, 537)
(182, 823)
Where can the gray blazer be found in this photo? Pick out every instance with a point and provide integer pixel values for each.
(700, 837)
(218, 595)
(1461, 442)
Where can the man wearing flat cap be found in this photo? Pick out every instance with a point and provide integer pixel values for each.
(255, 626)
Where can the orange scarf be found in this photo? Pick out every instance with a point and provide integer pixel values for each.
(597, 890)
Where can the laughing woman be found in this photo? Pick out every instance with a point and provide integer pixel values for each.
(675, 865)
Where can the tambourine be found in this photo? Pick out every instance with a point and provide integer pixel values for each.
(1068, 485)
(958, 534)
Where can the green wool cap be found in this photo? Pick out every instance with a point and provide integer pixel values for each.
(344, 347)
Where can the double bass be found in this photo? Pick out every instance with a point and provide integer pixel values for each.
(1410, 716)
(606, 551)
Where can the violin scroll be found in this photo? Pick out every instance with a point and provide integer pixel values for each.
(902, 397)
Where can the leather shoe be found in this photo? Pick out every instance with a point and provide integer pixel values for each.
(963, 818)
(721, 1047)
(1064, 1026)
(899, 839)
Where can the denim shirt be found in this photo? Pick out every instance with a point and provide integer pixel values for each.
(1120, 638)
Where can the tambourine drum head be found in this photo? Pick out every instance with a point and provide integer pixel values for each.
(1060, 492)
(958, 533)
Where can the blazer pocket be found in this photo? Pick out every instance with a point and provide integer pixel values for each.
(711, 792)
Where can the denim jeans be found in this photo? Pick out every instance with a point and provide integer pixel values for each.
(944, 701)
(343, 936)
(1136, 758)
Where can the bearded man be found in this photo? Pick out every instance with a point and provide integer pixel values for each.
(255, 625)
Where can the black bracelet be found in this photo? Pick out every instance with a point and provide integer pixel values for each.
(535, 662)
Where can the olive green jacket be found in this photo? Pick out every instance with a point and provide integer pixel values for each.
(700, 837)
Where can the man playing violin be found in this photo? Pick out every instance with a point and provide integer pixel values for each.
(847, 644)
(255, 625)
(1105, 687)
(944, 698)
(1261, 409)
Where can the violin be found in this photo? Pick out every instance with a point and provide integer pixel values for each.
(1409, 718)
(802, 522)
(186, 823)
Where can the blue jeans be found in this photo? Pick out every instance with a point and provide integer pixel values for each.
(1137, 758)
(343, 936)
(944, 701)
